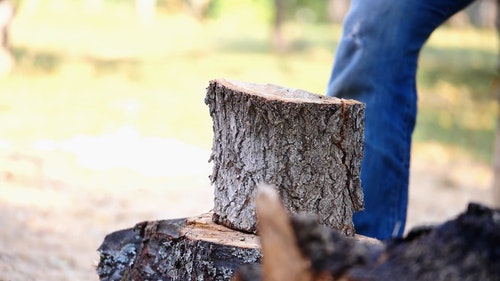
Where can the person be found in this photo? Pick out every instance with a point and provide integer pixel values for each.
(376, 63)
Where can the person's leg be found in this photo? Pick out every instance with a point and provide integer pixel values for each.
(376, 63)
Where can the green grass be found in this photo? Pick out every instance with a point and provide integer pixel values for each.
(457, 103)
(83, 72)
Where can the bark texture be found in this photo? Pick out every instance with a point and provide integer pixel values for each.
(466, 248)
(182, 249)
(283, 260)
(309, 146)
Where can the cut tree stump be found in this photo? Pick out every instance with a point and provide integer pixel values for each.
(181, 249)
(309, 146)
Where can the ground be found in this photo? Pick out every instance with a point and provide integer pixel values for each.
(57, 206)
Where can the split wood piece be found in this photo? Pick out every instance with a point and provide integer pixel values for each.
(282, 257)
(181, 249)
(465, 248)
(309, 146)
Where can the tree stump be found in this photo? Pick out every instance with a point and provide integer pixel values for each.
(180, 249)
(309, 146)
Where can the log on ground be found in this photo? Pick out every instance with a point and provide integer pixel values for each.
(180, 249)
(309, 146)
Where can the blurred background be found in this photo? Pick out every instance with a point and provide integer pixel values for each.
(103, 122)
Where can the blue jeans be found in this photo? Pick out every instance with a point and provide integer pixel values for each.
(376, 63)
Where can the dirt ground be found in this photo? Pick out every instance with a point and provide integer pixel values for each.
(58, 201)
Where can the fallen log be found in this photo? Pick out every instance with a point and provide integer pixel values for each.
(180, 249)
(308, 146)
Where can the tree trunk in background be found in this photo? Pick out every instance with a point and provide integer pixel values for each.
(6, 16)
(496, 159)
(146, 10)
(337, 9)
(481, 13)
(279, 43)
(309, 146)
(197, 7)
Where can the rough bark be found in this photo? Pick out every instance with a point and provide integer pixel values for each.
(298, 248)
(309, 146)
(293, 246)
(182, 249)
(466, 248)
(198, 249)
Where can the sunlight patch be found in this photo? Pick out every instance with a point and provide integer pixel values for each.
(128, 149)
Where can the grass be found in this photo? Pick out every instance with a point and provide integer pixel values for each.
(89, 72)
(457, 104)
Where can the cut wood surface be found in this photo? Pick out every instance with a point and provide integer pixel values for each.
(309, 146)
(180, 249)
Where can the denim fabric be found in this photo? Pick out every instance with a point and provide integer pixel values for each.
(376, 63)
